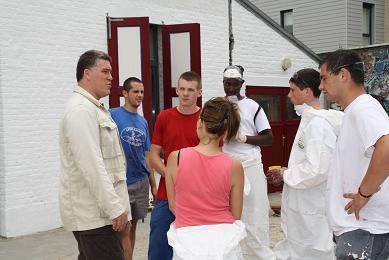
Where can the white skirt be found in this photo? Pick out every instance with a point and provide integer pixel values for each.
(216, 242)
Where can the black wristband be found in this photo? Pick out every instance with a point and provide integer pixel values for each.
(363, 195)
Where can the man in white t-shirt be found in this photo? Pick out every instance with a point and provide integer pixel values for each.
(254, 131)
(357, 180)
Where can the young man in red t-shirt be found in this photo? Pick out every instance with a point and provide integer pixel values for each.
(174, 129)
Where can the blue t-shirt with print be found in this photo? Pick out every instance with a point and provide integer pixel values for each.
(134, 136)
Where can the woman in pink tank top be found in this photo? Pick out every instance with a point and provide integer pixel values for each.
(205, 189)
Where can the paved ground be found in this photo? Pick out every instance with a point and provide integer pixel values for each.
(60, 245)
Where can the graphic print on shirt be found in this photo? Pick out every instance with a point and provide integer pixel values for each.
(133, 136)
(300, 143)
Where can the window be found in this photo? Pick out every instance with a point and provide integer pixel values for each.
(287, 20)
(367, 24)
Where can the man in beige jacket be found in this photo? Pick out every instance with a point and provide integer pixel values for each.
(93, 195)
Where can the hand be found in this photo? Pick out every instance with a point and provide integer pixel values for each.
(120, 223)
(275, 177)
(154, 192)
(241, 138)
(356, 204)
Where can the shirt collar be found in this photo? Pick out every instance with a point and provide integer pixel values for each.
(88, 96)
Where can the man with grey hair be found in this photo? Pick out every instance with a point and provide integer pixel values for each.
(93, 196)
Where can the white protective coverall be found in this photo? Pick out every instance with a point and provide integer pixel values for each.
(207, 242)
(303, 221)
(255, 213)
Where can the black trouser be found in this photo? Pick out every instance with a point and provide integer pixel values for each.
(99, 244)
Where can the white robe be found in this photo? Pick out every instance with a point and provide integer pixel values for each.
(207, 242)
(303, 221)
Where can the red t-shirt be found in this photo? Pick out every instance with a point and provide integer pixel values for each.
(174, 131)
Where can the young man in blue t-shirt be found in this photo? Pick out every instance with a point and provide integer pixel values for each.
(134, 136)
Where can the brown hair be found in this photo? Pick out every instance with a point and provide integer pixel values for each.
(307, 78)
(219, 116)
(349, 60)
(88, 60)
(191, 76)
(127, 83)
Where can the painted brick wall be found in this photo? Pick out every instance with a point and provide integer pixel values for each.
(39, 46)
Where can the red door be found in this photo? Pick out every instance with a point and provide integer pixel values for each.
(283, 121)
(129, 47)
(181, 52)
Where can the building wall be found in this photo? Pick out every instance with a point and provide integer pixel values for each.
(354, 22)
(39, 49)
(386, 21)
(327, 25)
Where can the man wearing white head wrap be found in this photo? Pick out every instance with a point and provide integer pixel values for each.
(254, 131)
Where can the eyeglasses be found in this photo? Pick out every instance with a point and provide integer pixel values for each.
(336, 69)
(299, 79)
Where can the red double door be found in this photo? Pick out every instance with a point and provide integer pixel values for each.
(138, 49)
(283, 121)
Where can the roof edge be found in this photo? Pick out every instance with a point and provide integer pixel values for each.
(270, 22)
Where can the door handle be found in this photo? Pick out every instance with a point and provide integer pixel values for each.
(283, 140)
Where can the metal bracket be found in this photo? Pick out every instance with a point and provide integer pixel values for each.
(109, 21)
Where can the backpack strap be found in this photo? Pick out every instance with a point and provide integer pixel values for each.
(256, 113)
(178, 157)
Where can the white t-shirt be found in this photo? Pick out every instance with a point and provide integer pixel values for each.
(364, 122)
(247, 110)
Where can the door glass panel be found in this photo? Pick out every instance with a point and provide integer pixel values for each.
(290, 112)
(180, 55)
(129, 53)
(271, 104)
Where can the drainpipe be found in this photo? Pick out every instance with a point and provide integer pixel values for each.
(386, 23)
(230, 34)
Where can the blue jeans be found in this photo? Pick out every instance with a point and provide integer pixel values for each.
(362, 244)
(161, 218)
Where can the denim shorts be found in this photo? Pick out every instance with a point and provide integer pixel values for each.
(361, 244)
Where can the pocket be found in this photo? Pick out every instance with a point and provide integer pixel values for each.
(111, 151)
(109, 139)
(358, 243)
(309, 201)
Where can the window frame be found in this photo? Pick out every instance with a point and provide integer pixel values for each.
(282, 19)
(370, 8)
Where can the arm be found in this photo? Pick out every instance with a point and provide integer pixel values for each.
(155, 159)
(170, 179)
(153, 185)
(264, 138)
(237, 184)
(83, 133)
(319, 143)
(376, 174)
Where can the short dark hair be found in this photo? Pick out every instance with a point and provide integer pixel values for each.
(349, 60)
(191, 76)
(88, 60)
(307, 78)
(127, 83)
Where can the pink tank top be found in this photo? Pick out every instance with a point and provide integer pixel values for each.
(203, 186)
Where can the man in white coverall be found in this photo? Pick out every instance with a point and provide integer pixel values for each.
(303, 221)
(254, 131)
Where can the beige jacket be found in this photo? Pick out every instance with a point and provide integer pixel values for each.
(93, 188)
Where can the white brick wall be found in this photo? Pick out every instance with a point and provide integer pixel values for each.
(39, 46)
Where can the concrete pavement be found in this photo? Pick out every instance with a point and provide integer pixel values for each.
(59, 244)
